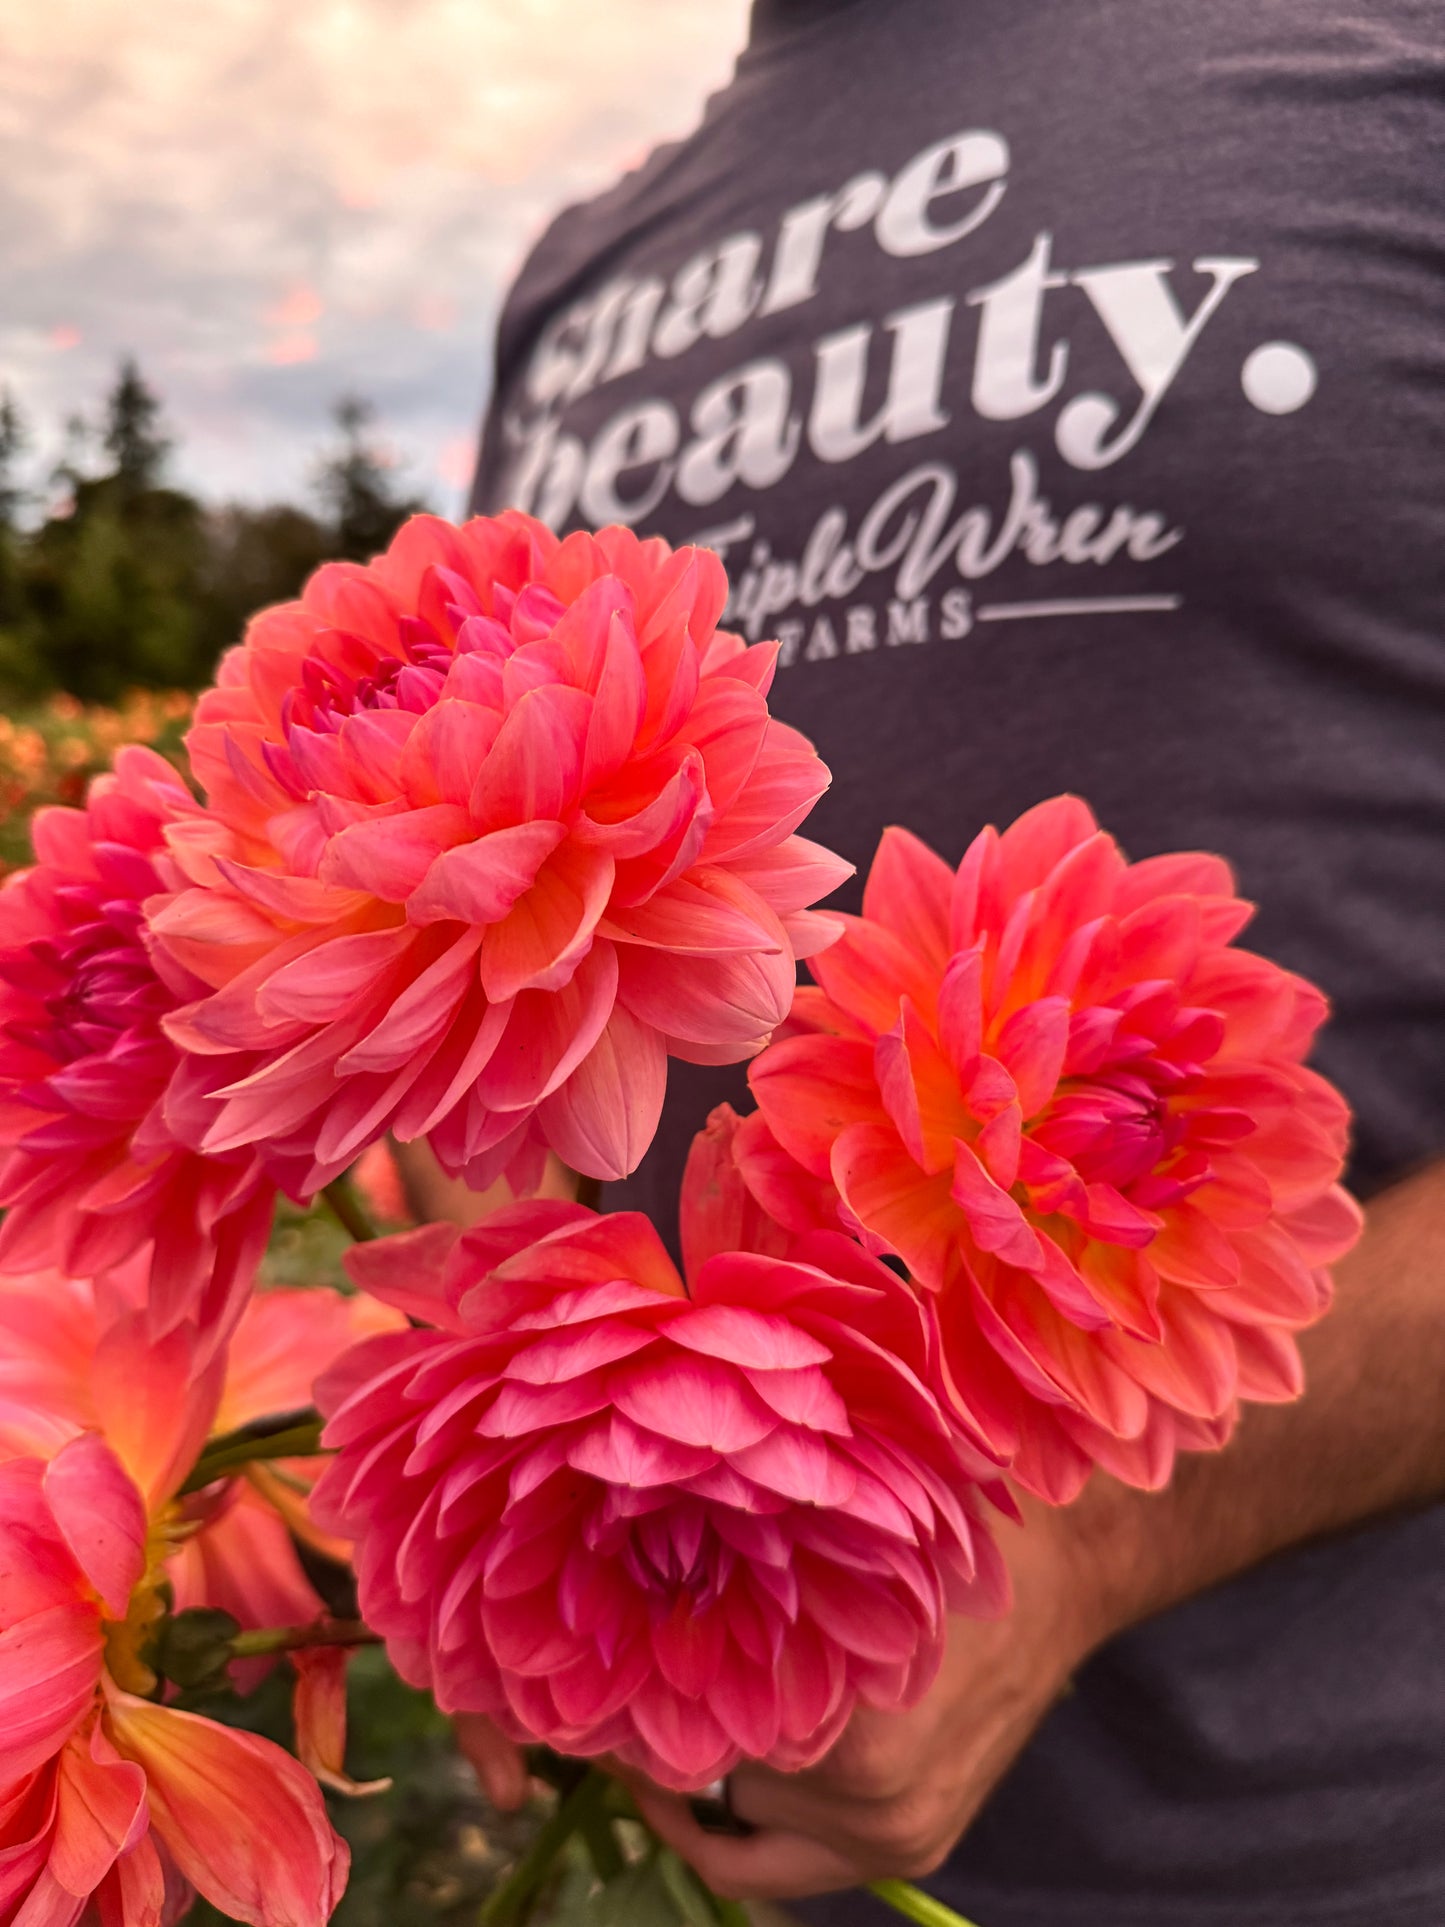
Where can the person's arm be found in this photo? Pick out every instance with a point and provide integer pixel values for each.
(895, 1794)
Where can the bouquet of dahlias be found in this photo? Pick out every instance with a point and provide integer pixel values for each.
(487, 831)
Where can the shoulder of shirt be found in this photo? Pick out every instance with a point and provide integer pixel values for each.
(583, 238)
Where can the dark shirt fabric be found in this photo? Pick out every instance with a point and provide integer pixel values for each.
(1064, 385)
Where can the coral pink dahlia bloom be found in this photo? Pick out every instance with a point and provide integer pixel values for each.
(1053, 1087)
(75, 1358)
(106, 1797)
(91, 1172)
(684, 1526)
(498, 822)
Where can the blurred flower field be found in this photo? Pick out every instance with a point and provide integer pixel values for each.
(50, 750)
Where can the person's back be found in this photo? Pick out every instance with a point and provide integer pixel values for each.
(1064, 386)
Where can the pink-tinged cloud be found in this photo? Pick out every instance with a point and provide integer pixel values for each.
(63, 337)
(286, 350)
(431, 133)
(456, 460)
(437, 314)
(301, 307)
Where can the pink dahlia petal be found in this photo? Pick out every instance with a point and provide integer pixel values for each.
(153, 1402)
(319, 1712)
(283, 1868)
(602, 1119)
(1052, 1086)
(537, 757)
(717, 1210)
(49, 1669)
(101, 1813)
(684, 1530)
(909, 890)
(101, 1517)
(50, 1626)
(566, 1243)
(817, 1087)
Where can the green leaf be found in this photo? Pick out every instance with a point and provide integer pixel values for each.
(641, 1898)
(290, 1435)
(193, 1649)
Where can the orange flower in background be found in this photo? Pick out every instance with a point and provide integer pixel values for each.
(1052, 1086)
(48, 753)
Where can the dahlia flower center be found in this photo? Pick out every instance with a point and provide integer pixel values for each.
(126, 1640)
(668, 1552)
(413, 681)
(1112, 1130)
(98, 984)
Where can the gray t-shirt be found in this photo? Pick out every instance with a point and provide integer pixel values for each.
(1064, 385)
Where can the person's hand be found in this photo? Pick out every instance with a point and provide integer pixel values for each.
(893, 1796)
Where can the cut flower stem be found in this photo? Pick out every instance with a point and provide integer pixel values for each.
(914, 1904)
(575, 1811)
(289, 1435)
(349, 1211)
(266, 1640)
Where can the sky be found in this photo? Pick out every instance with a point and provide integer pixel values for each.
(271, 203)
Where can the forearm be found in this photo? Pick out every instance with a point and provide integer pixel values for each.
(1367, 1438)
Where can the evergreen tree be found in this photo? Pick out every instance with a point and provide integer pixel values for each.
(72, 466)
(14, 440)
(255, 557)
(130, 582)
(114, 580)
(358, 487)
(13, 497)
(132, 435)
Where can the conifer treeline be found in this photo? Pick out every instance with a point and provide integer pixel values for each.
(130, 582)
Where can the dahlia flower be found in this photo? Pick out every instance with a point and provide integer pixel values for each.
(71, 1361)
(683, 1526)
(90, 1171)
(496, 823)
(1051, 1086)
(110, 1801)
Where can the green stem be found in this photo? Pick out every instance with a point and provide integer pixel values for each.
(348, 1210)
(560, 1772)
(292, 1639)
(289, 1435)
(914, 1904)
(512, 1900)
(602, 1847)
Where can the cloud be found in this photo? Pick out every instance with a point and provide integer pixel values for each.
(270, 204)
